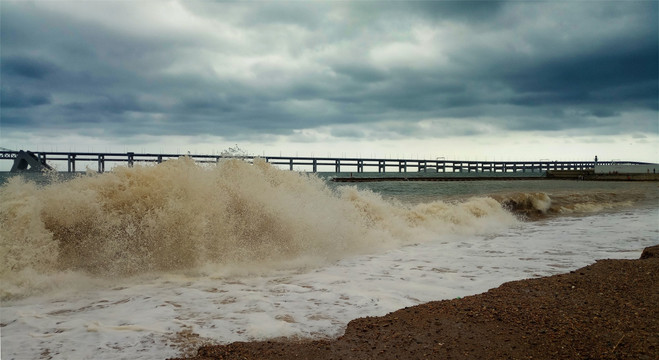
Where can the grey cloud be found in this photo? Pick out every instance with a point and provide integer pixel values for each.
(15, 98)
(360, 73)
(208, 104)
(273, 69)
(26, 67)
(467, 11)
(603, 112)
(109, 104)
(611, 67)
(304, 14)
(348, 133)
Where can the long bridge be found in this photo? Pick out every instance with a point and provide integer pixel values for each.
(39, 160)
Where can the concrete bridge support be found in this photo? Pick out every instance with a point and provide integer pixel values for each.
(71, 163)
(28, 161)
(402, 166)
(101, 163)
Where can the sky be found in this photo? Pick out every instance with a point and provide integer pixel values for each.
(467, 80)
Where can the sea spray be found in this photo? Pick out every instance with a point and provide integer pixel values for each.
(181, 215)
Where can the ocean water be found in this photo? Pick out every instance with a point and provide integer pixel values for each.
(150, 262)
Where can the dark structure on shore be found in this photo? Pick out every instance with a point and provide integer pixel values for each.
(29, 161)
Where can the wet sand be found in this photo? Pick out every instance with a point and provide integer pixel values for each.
(607, 310)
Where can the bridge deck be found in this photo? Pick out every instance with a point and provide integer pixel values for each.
(316, 164)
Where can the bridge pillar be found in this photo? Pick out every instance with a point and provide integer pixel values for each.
(402, 166)
(360, 166)
(131, 158)
(315, 165)
(290, 164)
(101, 163)
(72, 162)
(381, 166)
(337, 165)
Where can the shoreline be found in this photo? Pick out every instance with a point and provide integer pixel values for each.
(607, 310)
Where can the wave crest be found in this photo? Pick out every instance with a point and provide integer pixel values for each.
(531, 205)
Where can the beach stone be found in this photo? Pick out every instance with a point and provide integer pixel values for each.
(650, 252)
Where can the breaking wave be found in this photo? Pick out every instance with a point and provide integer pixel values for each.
(534, 206)
(181, 215)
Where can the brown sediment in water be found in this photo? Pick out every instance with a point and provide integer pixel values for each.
(608, 310)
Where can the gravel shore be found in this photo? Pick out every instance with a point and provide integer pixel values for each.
(608, 310)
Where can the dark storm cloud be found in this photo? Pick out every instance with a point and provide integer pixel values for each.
(14, 98)
(114, 105)
(472, 12)
(581, 78)
(26, 67)
(243, 69)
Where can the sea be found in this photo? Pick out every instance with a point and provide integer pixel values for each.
(150, 262)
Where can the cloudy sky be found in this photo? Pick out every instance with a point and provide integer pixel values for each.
(469, 80)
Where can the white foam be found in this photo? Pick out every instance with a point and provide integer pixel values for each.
(141, 318)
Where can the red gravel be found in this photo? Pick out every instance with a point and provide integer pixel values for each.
(608, 310)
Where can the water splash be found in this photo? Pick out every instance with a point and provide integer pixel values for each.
(181, 215)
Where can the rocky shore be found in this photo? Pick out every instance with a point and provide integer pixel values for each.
(608, 310)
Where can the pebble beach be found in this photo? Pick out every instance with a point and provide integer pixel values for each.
(607, 310)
